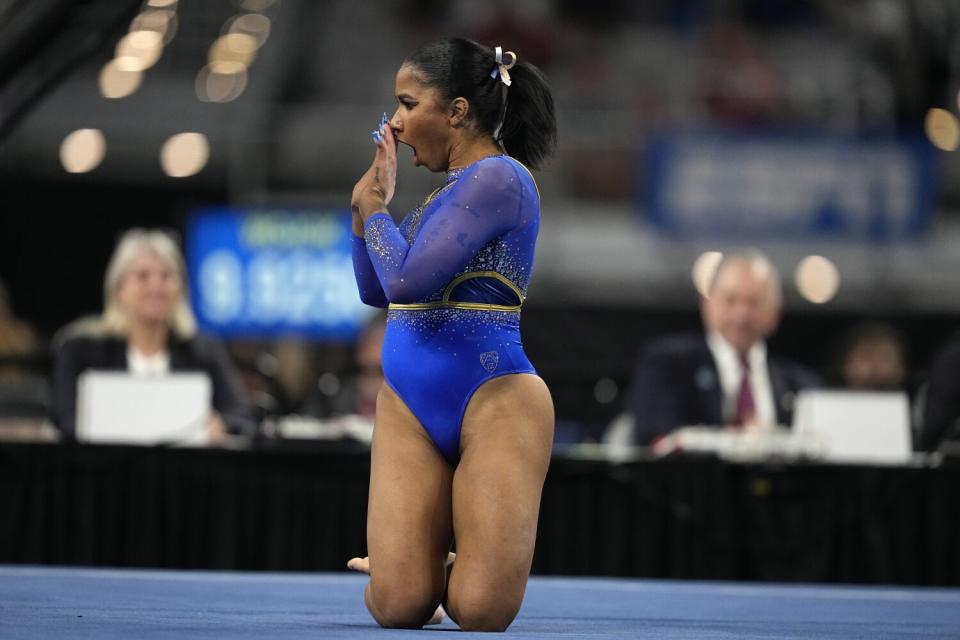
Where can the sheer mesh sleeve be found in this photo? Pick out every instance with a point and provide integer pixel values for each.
(483, 204)
(371, 292)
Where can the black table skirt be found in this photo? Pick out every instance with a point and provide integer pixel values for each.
(304, 509)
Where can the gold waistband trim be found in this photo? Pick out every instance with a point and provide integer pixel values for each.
(473, 306)
(447, 303)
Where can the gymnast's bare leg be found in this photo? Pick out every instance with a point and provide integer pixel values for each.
(409, 519)
(362, 565)
(505, 451)
(495, 493)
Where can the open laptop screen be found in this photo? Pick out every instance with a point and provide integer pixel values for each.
(857, 427)
(117, 407)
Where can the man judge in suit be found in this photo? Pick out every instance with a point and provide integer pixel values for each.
(725, 377)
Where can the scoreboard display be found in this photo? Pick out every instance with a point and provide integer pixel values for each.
(271, 273)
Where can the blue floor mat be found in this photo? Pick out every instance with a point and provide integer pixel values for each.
(47, 603)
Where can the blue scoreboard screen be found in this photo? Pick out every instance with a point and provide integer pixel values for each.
(268, 273)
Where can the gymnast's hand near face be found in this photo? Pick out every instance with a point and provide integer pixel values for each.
(374, 191)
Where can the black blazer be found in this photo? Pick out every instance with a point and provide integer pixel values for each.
(941, 405)
(676, 383)
(109, 353)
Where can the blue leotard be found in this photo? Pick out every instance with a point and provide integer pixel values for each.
(453, 274)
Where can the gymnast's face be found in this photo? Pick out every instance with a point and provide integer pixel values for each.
(742, 307)
(421, 121)
(150, 289)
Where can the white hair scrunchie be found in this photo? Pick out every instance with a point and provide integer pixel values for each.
(503, 69)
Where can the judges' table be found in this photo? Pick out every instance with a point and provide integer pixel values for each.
(303, 508)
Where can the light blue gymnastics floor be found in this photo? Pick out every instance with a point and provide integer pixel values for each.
(48, 603)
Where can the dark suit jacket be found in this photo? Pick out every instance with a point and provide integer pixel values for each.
(941, 405)
(109, 353)
(676, 383)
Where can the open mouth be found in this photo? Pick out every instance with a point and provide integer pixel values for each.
(412, 148)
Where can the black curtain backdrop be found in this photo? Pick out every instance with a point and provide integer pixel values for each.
(703, 519)
(304, 510)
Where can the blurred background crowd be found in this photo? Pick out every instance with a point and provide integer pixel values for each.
(817, 135)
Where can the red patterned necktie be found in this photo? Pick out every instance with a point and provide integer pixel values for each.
(745, 408)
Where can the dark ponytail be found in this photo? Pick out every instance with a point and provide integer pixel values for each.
(522, 114)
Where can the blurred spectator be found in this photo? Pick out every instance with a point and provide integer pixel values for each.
(146, 328)
(327, 381)
(341, 398)
(18, 342)
(740, 85)
(874, 359)
(726, 376)
(939, 404)
(294, 381)
(526, 28)
(359, 395)
(24, 397)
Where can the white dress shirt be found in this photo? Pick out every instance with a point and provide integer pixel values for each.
(730, 371)
(141, 364)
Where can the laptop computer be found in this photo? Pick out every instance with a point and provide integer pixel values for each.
(857, 427)
(117, 407)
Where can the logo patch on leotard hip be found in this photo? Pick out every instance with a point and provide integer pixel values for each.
(490, 360)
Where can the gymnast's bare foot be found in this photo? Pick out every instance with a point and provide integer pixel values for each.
(359, 564)
(362, 565)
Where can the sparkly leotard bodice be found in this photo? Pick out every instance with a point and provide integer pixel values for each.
(454, 275)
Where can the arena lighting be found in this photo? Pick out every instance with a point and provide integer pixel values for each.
(139, 50)
(82, 150)
(256, 5)
(145, 39)
(230, 48)
(251, 24)
(943, 130)
(704, 268)
(163, 21)
(114, 82)
(225, 77)
(228, 67)
(221, 82)
(184, 154)
(240, 43)
(817, 279)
